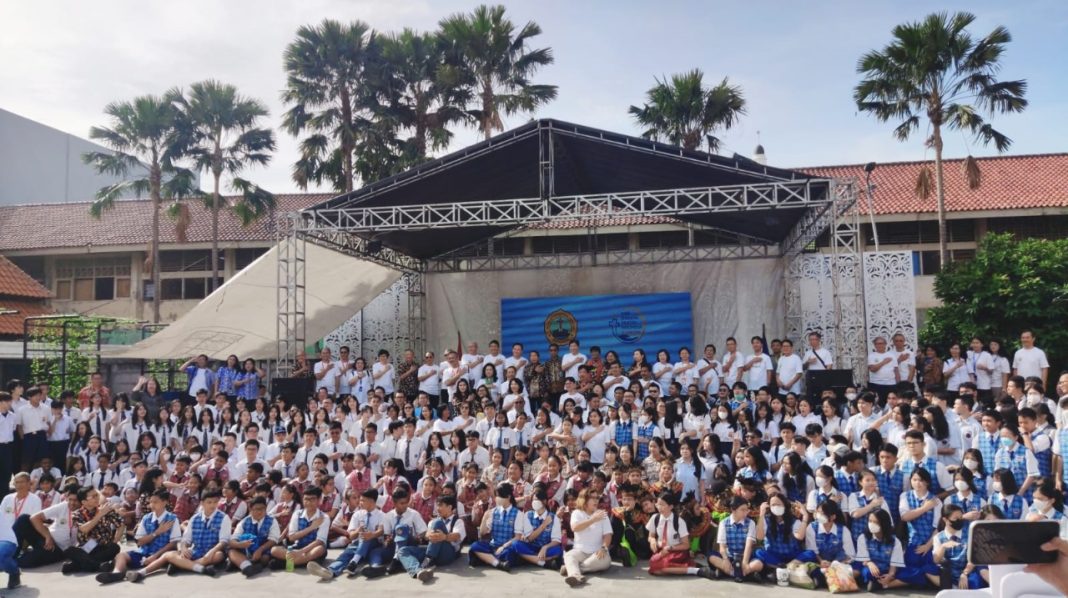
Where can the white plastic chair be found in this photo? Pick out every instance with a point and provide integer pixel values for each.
(1006, 581)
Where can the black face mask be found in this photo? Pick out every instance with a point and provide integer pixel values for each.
(953, 525)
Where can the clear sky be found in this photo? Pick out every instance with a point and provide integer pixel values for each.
(61, 62)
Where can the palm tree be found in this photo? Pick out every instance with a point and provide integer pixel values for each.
(141, 137)
(685, 113)
(218, 131)
(423, 93)
(326, 71)
(496, 65)
(935, 69)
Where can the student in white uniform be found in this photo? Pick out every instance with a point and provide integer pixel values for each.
(980, 368)
(708, 371)
(571, 362)
(382, 372)
(757, 366)
(788, 376)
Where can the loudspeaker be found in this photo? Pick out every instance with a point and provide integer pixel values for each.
(816, 381)
(294, 391)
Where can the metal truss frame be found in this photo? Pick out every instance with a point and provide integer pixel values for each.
(291, 294)
(604, 258)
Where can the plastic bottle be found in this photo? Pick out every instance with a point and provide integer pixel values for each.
(290, 566)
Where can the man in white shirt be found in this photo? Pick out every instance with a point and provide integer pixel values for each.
(473, 453)
(383, 373)
(758, 366)
(344, 368)
(708, 371)
(732, 363)
(905, 360)
(788, 376)
(409, 448)
(817, 357)
(452, 373)
(201, 377)
(980, 368)
(1030, 361)
(33, 420)
(494, 357)
(20, 502)
(59, 532)
(252, 450)
(429, 377)
(473, 361)
(570, 363)
(882, 369)
(371, 449)
(614, 379)
(570, 392)
(517, 361)
(326, 372)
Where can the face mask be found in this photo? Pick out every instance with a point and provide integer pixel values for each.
(953, 525)
(778, 510)
(1040, 505)
(961, 485)
(643, 419)
(1007, 442)
(503, 502)
(722, 414)
(971, 464)
(537, 505)
(850, 396)
(822, 482)
(1034, 399)
(821, 519)
(874, 528)
(996, 486)
(739, 396)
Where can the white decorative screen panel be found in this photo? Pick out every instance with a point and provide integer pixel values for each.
(890, 296)
(383, 324)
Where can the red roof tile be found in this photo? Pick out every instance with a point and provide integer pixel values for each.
(11, 324)
(129, 223)
(604, 220)
(1008, 182)
(16, 283)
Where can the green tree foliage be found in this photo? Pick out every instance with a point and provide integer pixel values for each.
(1011, 284)
(684, 112)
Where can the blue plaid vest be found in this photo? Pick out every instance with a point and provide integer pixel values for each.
(921, 528)
(956, 557)
(880, 553)
(749, 473)
(261, 533)
(829, 545)
(858, 525)
(972, 503)
(891, 485)
(1012, 507)
(847, 483)
(1062, 440)
(502, 525)
(1044, 458)
(547, 535)
(151, 524)
(980, 486)
(1015, 460)
(737, 534)
(205, 532)
(646, 431)
(302, 524)
(624, 433)
(988, 447)
(930, 464)
(783, 545)
(1054, 514)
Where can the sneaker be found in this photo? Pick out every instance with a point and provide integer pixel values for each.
(424, 575)
(563, 571)
(276, 564)
(374, 572)
(394, 566)
(109, 577)
(68, 568)
(172, 570)
(106, 566)
(354, 569)
(210, 571)
(252, 570)
(874, 586)
(574, 582)
(705, 572)
(14, 580)
(133, 576)
(320, 571)
(503, 566)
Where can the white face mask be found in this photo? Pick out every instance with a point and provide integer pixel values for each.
(503, 502)
(961, 485)
(850, 396)
(778, 510)
(971, 464)
(1034, 399)
(874, 528)
(821, 519)
(722, 414)
(1040, 505)
(822, 482)
(537, 505)
(643, 420)
(996, 486)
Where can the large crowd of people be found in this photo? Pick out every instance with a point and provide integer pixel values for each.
(701, 463)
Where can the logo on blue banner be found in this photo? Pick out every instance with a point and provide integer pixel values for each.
(561, 327)
(628, 325)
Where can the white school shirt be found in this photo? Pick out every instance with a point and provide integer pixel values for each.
(34, 419)
(502, 438)
(64, 531)
(709, 382)
(526, 527)
(821, 353)
(8, 421)
(597, 443)
(757, 375)
(369, 521)
(10, 510)
(329, 380)
(721, 534)
(63, 428)
(790, 366)
(175, 531)
(386, 381)
(519, 364)
(474, 372)
(324, 525)
(272, 535)
(410, 518)
(343, 385)
(897, 556)
(847, 538)
(959, 375)
(579, 359)
(1001, 369)
(224, 529)
(432, 385)
(976, 363)
(903, 366)
(1030, 362)
(665, 532)
(885, 374)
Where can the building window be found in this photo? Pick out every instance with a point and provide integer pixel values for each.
(185, 288)
(191, 260)
(92, 279)
(244, 257)
(665, 239)
(1043, 227)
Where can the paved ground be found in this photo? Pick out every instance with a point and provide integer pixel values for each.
(455, 580)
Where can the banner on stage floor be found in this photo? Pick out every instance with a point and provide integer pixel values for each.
(620, 323)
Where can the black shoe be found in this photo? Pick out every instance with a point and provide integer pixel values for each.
(172, 570)
(210, 571)
(276, 564)
(503, 566)
(424, 575)
(107, 566)
(373, 572)
(354, 568)
(705, 572)
(874, 586)
(14, 580)
(395, 566)
(252, 570)
(68, 568)
(109, 577)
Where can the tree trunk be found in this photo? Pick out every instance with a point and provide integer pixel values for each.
(940, 191)
(346, 141)
(487, 111)
(215, 233)
(155, 182)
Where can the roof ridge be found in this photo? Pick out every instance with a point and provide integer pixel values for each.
(944, 160)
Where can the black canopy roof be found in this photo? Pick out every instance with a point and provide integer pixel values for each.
(585, 161)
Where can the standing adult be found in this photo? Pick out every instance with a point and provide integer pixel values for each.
(95, 386)
(882, 369)
(326, 372)
(1030, 361)
(905, 361)
(200, 375)
(789, 370)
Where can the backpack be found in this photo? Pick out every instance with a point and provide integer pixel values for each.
(674, 521)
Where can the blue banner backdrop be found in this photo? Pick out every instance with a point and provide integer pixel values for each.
(621, 323)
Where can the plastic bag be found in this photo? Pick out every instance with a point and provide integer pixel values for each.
(799, 574)
(840, 578)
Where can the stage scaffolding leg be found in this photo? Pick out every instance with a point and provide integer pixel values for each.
(847, 280)
(290, 296)
(416, 283)
(795, 324)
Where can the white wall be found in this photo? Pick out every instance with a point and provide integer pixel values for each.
(730, 298)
